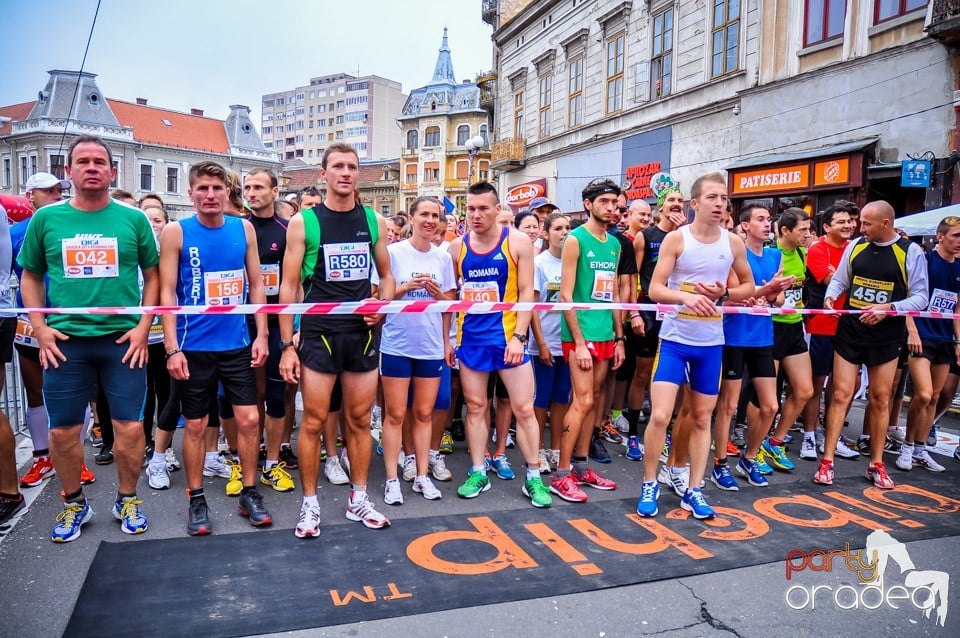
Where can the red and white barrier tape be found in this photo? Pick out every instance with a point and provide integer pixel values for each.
(394, 307)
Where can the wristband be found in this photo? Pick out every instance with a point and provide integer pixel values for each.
(173, 352)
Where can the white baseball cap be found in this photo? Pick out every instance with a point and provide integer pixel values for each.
(46, 180)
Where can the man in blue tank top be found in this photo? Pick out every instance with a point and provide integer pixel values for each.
(495, 264)
(934, 346)
(211, 259)
(692, 270)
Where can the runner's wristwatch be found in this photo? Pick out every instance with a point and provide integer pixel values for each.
(285, 344)
(521, 338)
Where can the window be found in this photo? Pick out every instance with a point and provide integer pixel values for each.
(661, 61)
(24, 175)
(726, 36)
(518, 114)
(146, 177)
(278, 102)
(431, 137)
(615, 73)
(267, 130)
(575, 90)
(385, 210)
(57, 165)
(460, 203)
(321, 108)
(483, 170)
(412, 140)
(299, 139)
(411, 179)
(823, 20)
(357, 131)
(546, 101)
(360, 146)
(173, 179)
(463, 134)
(339, 119)
(359, 99)
(431, 172)
(339, 135)
(116, 176)
(462, 169)
(339, 104)
(887, 9)
(7, 172)
(357, 116)
(300, 97)
(34, 166)
(483, 134)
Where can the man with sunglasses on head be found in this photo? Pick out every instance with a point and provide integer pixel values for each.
(879, 271)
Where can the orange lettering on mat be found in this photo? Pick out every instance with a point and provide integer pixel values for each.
(838, 517)
(944, 504)
(509, 554)
(664, 537)
(340, 602)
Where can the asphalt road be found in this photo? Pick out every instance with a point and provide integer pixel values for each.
(41, 580)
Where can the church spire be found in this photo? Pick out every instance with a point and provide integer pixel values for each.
(443, 72)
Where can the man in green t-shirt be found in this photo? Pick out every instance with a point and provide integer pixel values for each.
(590, 339)
(91, 248)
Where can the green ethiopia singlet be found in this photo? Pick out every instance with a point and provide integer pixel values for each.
(596, 282)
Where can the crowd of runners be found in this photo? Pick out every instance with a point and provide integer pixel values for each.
(681, 391)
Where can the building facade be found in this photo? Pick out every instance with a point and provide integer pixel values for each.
(153, 148)
(378, 183)
(438, 122)
(842, 92)
(360, 111)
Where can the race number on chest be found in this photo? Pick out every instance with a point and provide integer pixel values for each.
(89, 258)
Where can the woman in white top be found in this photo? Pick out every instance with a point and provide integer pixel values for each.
(550, 370)
(414, 345)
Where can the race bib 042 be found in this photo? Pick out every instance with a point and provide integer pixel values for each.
(90, 258)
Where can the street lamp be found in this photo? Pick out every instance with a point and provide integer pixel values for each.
(474, 144)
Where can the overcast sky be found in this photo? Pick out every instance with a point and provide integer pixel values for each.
(209, 54)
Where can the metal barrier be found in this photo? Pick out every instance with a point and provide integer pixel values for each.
(14, 398)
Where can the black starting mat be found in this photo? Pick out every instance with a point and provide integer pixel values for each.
(231, 585)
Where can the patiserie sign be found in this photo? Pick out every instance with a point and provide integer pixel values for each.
(792, 178)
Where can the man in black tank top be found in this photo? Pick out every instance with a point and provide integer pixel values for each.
(260, 190)
(644, 333)
(331, 249)
(880, 271)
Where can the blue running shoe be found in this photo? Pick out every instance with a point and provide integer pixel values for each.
(69, 521)
(694, 503)
(750, 470)
(722, 478)
(132, 520)
(598, 451)
(787, 439)
(932, 437)
(762, 462)
(634, 449)
(776, 455)
(649, 494)
(501, 466)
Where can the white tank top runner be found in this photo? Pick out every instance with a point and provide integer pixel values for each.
(698, 263)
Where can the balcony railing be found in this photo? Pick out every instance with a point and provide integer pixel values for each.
(509, 152)
(945, 21)
(488, 12)
(455, 184)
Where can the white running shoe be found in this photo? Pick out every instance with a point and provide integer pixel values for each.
(924, 460)
(365, 513)
(897, 433)
(344, 460)
(216, 467)
(808, 449)
(438, 467)
(309, 524)
(554, 457)
(409, 467)
(335, 472)
(905, 458)
(818, 435)
(392, 494)
(423, 485)
(544, 463)
(844, 451)
(677, 480)
(158, 476)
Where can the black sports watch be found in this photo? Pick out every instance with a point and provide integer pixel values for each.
(285, 344)
(521, 338)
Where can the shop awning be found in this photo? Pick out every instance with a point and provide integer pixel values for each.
(824, 151)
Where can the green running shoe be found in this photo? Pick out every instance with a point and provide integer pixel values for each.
(537, 492)
(477, 482)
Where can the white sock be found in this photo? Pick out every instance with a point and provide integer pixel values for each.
(158, 457)
(311, 501)
(268, 464)
(210, 457)
(809, 436)
(434, 455)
